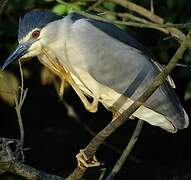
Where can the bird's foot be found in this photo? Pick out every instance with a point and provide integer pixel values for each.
(92, 108)
(115, 115)
(84, 161)
(61, 90)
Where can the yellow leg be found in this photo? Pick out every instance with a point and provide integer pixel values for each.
(115, 113)
(60, 71)
(61, 91)
(91, 107)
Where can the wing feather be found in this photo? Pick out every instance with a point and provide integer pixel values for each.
(117, 60)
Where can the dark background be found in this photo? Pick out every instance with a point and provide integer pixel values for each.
(54, 138)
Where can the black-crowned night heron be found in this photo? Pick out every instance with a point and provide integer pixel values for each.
(101, 61)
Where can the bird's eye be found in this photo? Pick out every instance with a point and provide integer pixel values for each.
(36, 34)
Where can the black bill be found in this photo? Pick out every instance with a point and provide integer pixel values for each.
(20, 51)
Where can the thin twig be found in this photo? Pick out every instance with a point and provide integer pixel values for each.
(102, 173)
(140, 10)
(18, 105)
(22, 82)
(96, 4)
(126, 16)
(152, 17)
(152, 6)
(134, 24)
(127, 151)
(131, 17)
(92, 147)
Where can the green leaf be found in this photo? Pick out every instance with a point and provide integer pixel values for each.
(66, 8)
(109, 16)
(109, 6)
(60, 9)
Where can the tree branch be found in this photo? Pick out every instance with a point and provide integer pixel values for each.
(9, 163)
(127, 151)
(31, 173)
(97, 3)
(139, 10)
(152, 17)
(133, 24)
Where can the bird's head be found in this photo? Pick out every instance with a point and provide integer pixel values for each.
(29, 34)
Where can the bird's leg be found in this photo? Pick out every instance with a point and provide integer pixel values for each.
(115, 113)
(91, 107)
(65, 75)
(61, 91)
(84, 162)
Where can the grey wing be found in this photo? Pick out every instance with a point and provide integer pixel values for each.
(117, 60)
(124, 37)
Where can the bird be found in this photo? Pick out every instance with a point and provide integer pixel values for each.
(101, 61)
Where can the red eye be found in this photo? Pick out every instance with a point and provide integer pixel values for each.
(36, 34)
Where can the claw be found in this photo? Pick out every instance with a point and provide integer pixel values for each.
(92, 108)
(84, 162)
